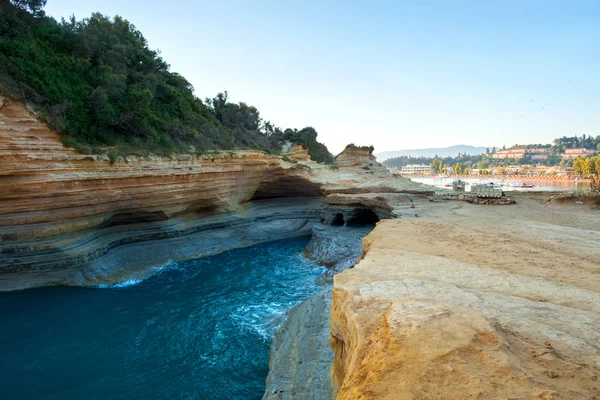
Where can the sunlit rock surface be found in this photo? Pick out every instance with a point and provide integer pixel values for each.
(471, 304)
(68, 218)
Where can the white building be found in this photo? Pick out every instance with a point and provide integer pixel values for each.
(415, 169)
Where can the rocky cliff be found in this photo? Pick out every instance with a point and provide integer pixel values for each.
(472, 302)
(452, 301)
(300, 353)
(70, 218)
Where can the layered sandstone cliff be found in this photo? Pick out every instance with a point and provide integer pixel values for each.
(68, 218)
(472, 302)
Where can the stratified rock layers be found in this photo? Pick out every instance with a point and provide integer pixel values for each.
(68, 218)
(417, 319)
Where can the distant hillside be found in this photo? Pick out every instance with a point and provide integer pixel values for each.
(451, 151)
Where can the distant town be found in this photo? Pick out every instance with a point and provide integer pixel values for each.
(567, 158)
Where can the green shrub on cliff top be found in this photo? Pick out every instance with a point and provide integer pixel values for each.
(308, 138)
(112, 155)
(97, 81)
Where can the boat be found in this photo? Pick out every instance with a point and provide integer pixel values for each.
(522, 186)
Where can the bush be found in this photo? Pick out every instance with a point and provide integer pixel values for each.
(368, 148)
(307, 137)
(112, 156)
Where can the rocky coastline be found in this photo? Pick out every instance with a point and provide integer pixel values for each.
(446, 300)
(300, 353)
(75, 219)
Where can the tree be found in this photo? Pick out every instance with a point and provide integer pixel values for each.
(97, 82)
(594, 164)
(579, 165)
(436, 166)
(457, 169)
(34, 6)
(587, 167)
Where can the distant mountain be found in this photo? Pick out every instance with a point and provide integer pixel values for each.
(451, 151)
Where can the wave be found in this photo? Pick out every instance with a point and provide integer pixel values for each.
(130, 282)
(261, 319)
(169, 265)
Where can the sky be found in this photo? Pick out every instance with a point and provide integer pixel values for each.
(392, 74)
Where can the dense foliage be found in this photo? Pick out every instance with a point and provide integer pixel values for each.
(308, 138)
(587, 166)
(99, 83)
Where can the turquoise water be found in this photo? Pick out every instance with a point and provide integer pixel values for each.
(197, 330)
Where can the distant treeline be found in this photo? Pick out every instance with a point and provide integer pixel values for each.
(96, 81)
(482, 161)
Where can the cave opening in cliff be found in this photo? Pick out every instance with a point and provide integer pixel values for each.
(338, 220)
(287, 186)
(362, 216)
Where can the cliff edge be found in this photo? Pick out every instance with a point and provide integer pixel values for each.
(72, 218)
(472, 303)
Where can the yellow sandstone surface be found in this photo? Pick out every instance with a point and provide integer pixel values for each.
(41, 181)
(472, 302)
(61, 211)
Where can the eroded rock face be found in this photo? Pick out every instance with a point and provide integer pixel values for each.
(336, 247)
(300, 353)
(357, 157)
(67, 217)
(119, 253)
(417, 319)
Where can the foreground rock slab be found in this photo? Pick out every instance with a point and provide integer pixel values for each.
(471, 306)
(300, 354)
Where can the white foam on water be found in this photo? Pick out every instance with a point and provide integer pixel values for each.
(132, 282)
(169, 265)
(262, 319)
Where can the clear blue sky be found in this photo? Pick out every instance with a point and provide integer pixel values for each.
(396, 75)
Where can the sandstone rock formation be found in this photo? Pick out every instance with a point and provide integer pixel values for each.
(452, 301)
(336, 247)
(470, 303)
(68, 218)
(300, 353)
